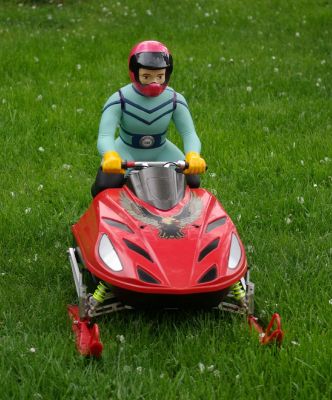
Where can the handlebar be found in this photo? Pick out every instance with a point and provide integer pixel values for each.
(145, 164)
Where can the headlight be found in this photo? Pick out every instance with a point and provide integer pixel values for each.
(235, 253)
(108, 254)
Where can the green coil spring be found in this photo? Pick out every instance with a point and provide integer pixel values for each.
(100, 293)
(237, 291)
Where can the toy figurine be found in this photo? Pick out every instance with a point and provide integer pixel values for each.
(154, 242)
(143, 111)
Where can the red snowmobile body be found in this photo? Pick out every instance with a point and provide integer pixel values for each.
(181, 252)
(156, 243)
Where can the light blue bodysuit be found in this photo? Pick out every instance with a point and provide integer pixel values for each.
(143, 122)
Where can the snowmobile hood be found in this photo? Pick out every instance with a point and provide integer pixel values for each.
(193, 247)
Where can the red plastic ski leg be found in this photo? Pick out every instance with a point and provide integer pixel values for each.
(267, 336)
(86, 336)
(96, 347)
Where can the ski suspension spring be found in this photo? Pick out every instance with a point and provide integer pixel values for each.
(237, 291)
(100, 292)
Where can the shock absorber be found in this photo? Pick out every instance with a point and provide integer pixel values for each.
(100, 292)
(238, 292)
(98, 296)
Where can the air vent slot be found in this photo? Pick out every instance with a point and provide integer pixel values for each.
(209, 276)
(211, 246)
(137, 249)
(145, 277)
(118, 224)
(215, 224)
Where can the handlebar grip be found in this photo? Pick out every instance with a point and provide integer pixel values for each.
(187, 166)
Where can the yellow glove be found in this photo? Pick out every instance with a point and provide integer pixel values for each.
(196, 163)
(111, 163)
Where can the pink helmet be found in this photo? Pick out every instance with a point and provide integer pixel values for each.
(149, 54)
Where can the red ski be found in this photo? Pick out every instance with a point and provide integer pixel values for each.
(273, 332)
(86, 334)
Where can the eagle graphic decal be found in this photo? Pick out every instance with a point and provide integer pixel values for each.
(169, 227)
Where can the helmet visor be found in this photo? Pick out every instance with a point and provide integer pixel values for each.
(153, 60)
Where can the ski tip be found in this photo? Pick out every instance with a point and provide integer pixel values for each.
(272, 334)
(96, 349)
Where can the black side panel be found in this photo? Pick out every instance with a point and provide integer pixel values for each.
(145, 277)
(138, 249)
(117, 224)
(209, 276)
(211, 246)
(105, 181)
(215, 224)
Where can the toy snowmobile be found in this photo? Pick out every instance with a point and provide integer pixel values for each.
(156, 243)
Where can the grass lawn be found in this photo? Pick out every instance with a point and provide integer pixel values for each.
(257, 77)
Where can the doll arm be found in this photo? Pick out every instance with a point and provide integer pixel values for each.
(185, 126)
(110, 119)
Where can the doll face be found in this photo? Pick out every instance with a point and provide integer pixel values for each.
(147, 76)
